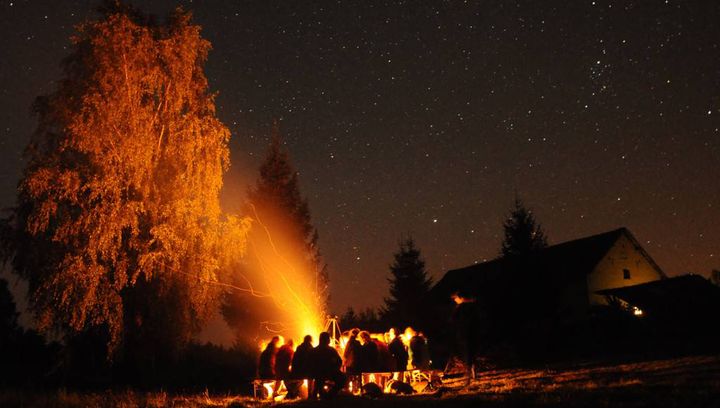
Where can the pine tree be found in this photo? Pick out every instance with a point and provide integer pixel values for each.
(523, 234)
(409, 285)
(118, 223)
(280, 212)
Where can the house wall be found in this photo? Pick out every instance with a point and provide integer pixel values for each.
(572, 296)
(609, 271)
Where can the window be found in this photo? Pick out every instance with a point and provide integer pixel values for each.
(626, 273)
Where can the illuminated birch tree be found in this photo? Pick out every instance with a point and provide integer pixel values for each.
(118, 223)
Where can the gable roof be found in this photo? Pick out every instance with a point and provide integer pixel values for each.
(579, 256)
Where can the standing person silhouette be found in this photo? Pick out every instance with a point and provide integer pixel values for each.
(266, 365)
(351, 355)
(398, 351)
(283, 359)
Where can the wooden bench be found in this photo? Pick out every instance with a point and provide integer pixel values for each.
(260, 387)
(265, 388)
(385, 378)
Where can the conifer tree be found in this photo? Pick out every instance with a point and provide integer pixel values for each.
(278, 209)
(522, 234)
(118, 223)
(409, 285)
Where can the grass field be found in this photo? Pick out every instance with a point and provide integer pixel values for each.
(683, 382)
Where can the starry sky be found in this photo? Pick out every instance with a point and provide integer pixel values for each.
(428, 117)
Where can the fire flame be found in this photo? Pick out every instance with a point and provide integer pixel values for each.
(289, 285)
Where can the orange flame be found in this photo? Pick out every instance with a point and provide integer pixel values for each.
(303, 313)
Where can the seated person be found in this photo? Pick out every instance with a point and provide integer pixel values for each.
(325, 366)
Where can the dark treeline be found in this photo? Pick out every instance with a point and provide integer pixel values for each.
(28, 360)
(25, 356)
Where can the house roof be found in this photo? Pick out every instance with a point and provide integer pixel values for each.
(578, 256)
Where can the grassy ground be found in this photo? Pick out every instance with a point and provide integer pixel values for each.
(684, 382)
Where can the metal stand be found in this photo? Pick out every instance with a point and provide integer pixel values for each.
(332, 327)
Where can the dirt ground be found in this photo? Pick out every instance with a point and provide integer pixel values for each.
(683, 382)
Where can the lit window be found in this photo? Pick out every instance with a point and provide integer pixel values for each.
(626, 273)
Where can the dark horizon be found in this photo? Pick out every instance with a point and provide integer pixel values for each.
(428, 118)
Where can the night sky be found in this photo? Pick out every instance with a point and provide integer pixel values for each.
(427, 117)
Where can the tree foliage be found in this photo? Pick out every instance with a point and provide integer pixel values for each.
(522, 234)
(367, 319)
(118, 223)
(409, 286)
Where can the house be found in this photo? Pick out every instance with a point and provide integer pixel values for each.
(569, 274)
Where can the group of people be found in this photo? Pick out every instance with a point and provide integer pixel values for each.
(365, 354)
(327, 372)
(320, 365)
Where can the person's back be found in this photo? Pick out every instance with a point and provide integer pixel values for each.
(325, 365)
(368, 354)
(399, 353)
(352, 354)
(326, 361)
(266, 365)
(385, 361)
(301, 363)
(420, 357)
(283, 359)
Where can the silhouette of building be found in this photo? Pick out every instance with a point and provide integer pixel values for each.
(568, 275)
